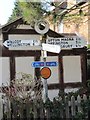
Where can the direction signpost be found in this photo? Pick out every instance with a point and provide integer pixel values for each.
(52, 45)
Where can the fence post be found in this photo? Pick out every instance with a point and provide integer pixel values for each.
(84, 97)
(47, 114)
(61, 111)
(35, 110)
(89, 111)
(79, 103)
(67, 107)
(41, 111)
(29, 113)
(73, 106)
(8, 108)
(1, 107)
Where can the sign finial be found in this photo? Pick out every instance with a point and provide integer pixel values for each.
(42, 26)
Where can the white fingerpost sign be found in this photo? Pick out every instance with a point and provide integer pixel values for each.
(21, 44)
(67, 43)
(51, 48)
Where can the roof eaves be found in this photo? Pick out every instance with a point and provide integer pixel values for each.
(52, 33)
(12, 24)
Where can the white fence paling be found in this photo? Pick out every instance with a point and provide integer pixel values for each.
(70, 107)
(1, 107)
(79, 103)
(72, 104)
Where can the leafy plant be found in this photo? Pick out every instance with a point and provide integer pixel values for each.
(24, 87)
(23, 93)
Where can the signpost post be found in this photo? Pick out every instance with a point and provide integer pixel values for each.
(45, 72)
(42, 28)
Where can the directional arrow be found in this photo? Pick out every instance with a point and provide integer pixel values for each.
(38, 64)
(22, 44)
(67, 43)
(51, 64)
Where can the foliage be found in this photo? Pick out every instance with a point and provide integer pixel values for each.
(75, 15)
(23, 88)
(23, 92)
(30, 11)
(17, 12)
(34, 10)
(55, 108)
(86, 108)
(58, 105)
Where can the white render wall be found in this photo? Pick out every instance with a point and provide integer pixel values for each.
(1, 39)
(51, 94)
(72, 69)
(23, 64)
(24, 37)
(0, 36)
(4, 71)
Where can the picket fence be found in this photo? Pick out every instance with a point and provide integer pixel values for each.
(20, 111)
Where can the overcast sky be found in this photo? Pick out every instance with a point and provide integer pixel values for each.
(6, 7)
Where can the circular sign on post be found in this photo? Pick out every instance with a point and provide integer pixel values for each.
(42, 26)
(45, 72)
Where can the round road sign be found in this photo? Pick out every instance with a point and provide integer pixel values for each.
(45, 72)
